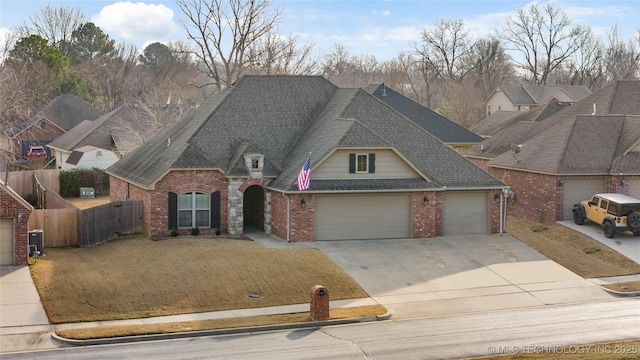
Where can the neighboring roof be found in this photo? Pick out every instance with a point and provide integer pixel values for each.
(444, 129)
(491, 125)
(285, 118)
(65, 111)
(116, 130)
(574, 142)
(539, 94)
(615, 98)
(76, 155)
(6, 188)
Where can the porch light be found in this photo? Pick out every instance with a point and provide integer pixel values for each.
(560, 183)
(303, 203)
(496, 198)
(623, 182)
(425, 200)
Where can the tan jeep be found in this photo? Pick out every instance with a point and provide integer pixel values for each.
(615, 212)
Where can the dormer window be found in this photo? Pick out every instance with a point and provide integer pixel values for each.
(255, 164)
(362, 163)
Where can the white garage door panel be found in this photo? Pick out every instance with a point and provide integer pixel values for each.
(465, 213)
(576, 190)
(6, 241)
(385, 216)
(634, 188)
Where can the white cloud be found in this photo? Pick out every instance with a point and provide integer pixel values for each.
(136, 21)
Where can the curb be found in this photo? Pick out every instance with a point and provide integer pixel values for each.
(201, 333)
(621, 293)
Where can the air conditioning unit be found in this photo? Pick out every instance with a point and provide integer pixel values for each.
(87, 193)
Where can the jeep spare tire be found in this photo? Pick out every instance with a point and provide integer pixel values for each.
(633, 220)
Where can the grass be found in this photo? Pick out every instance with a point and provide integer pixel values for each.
(135, 277)
(215, 324)
(82, 203)
(577, 252)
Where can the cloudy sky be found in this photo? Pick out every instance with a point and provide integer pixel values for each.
(381, 28)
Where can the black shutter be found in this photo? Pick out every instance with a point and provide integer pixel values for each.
(352, 163)
(215, 210)
(372, 163)
(173, 211)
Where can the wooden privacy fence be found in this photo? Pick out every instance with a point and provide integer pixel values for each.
(92, 226)
(102, 223)
(23, 181)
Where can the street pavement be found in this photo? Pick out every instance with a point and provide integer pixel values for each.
(412, 278)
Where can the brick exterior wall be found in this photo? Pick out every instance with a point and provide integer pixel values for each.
(36, 132)
(11, 208)
(427, 219)
(156, 213)
(537, 197)
(480, 162)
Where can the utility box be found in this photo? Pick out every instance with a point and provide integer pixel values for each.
(87, 193)
(36, 241)
(319, 303)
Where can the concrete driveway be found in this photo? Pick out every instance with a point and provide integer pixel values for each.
(457, 274)
(623, 242)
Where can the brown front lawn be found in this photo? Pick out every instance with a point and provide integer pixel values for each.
(135, 277)
(571, 249)
(82, 203)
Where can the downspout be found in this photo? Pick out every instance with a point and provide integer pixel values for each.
(501, 199)
(288, 214)
(506, 202)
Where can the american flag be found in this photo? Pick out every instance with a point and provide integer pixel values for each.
(303, 176)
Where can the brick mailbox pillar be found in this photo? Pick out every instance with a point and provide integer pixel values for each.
(319, 303)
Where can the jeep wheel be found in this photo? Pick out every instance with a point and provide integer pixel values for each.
(636, 233)
(577, 217)
(609, 229)
(633, 220)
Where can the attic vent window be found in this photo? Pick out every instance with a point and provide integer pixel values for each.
(43, 125)
(255, 164)
(99, 153)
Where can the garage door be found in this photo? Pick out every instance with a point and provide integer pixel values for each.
(379, 216)
(6, 241)
(634, 188)
(465, 213)
(576, 190)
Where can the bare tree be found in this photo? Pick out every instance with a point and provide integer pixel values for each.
(621, 59)
(491, 65)
(584, 67)
(55, 25)
(445, 47)
(345, 69)
(275, 54)
(224, 31)
(543, 39)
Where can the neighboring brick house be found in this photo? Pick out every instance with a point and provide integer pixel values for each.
(14, 232)
(57, 117)
(452, 134)
(232, 165)
(590, 147)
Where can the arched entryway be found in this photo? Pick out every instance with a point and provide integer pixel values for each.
(253, 208)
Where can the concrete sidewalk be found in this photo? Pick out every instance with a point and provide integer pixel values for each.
(410, 277)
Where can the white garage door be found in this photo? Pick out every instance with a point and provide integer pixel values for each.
(576, 190)
(6, 241)
(371, 216)
(634, 188)
(466, 213)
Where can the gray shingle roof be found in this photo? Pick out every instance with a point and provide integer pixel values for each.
(66, 111)
(287, 117)
(491, 125)
(444, 129)
(539, 94)
(574, 141)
